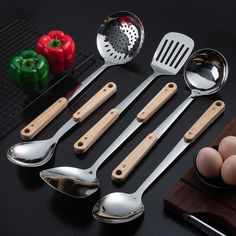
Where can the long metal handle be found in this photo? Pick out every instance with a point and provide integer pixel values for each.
(203, 226)
(122, 171)
(208, 117)
(94, 133)
(42, 120)
(134, 94)
(37, 124)
(164, 126)
(95, 101)
(157, 102)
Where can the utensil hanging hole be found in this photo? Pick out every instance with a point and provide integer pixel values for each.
(218, 104)
(32, 125)
(27, 131)
(78, 113)
(110, 85)
(150, 137)
(104, 90)
(112, 112)
(171, 85)
(80, 144)
(118, 172)
(85, 138)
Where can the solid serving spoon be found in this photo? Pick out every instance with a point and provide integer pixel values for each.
(203, 68)
(37, 153)
(121, 207)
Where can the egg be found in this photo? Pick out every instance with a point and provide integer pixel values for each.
(209, 162)
(228, 170)
(227, 147)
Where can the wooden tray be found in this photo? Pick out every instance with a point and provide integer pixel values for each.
(191, 196)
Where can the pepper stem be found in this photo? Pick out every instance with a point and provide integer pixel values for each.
(55, 43)
(29, 63)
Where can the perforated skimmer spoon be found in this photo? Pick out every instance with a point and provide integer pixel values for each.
(169, 57)
(119, 39)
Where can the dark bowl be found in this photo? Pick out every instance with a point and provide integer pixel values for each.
(216, 183)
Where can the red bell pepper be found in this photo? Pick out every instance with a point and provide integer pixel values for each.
(58, 48)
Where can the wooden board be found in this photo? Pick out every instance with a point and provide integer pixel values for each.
(191, 196)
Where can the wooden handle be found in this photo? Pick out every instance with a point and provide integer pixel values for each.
(157, 102)
(88, 139)
(35, 126)
(122, 171)
(93, 103)
(204, 121)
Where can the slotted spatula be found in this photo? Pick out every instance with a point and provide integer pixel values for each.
(170, 55)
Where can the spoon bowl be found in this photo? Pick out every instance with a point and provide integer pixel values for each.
(71, 181)
(118, 208)
(31, 154)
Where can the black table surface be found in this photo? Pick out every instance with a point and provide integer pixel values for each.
(30, 207)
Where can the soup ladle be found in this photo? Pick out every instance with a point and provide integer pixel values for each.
(205, 73)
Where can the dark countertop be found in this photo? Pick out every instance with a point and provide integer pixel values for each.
(30, 207)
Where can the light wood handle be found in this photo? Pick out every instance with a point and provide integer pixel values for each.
(204, 121)
(121, 172)
(157, 102)
(88, 139)
(35, 126)
(94, 102)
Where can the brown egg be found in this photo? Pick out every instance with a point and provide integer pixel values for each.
(227, 147)
(228, 170)
(209, 162)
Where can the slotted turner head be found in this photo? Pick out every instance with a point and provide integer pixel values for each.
(120, 37)
(171, 53)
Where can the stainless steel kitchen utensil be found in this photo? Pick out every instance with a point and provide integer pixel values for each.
(205, 73)
(37, 153)
(203, 226)
(171, 53)
(119, 39)
(83, 182)
(121, 207)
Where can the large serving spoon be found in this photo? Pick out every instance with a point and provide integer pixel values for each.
(205, 67)
(37, 153)
(119, 39)
(121, 207)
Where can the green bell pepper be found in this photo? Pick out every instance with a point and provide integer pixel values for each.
(29, 71)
